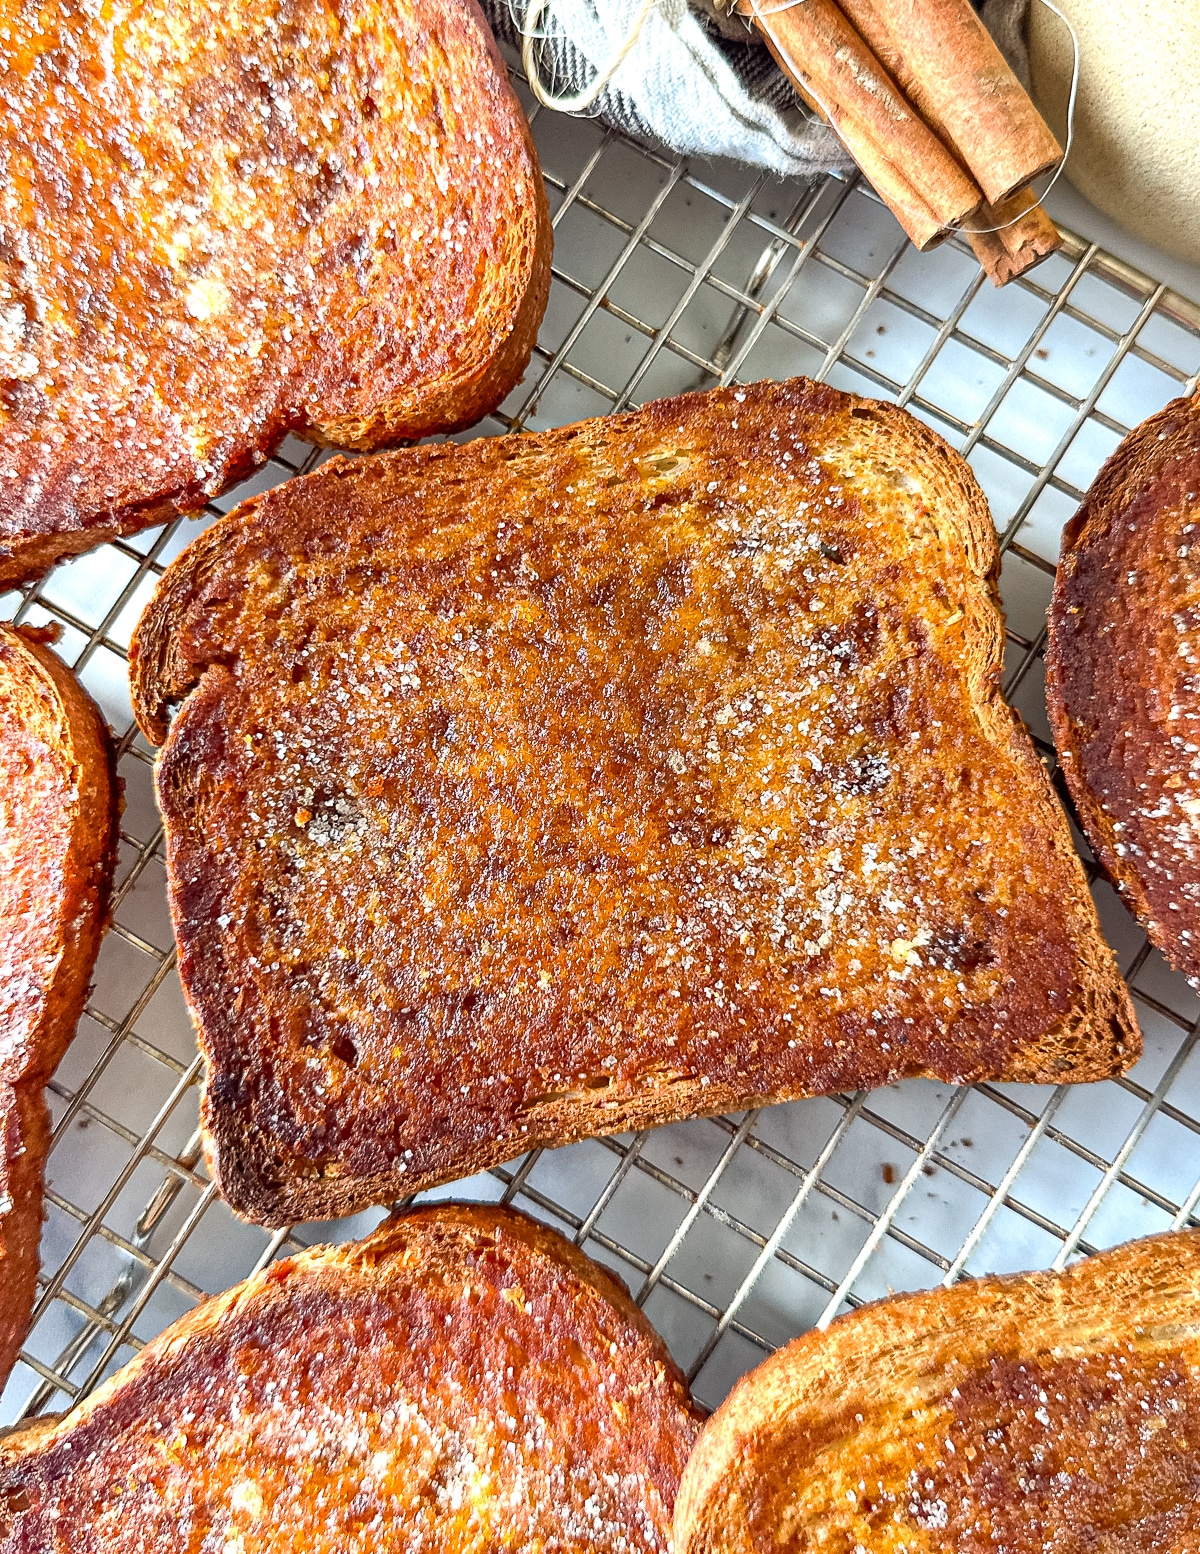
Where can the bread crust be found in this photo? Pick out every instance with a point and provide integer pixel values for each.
(499, 763)
(226, 225)
(464, 1378)
(1121, 675)
(25, 1119)
(1036, 1411)
(59, 802)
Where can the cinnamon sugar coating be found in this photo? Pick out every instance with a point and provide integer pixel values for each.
(562, 784)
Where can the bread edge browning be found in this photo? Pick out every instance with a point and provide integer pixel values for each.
(88, 874)
(1120, 481)
(92, 863)
(358, 1260)
(1097, 1037)
(1104, 1004)
(455, 404)
(460, 404)
(24, 1144)
(901, 1350)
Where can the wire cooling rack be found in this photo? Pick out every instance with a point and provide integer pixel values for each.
(736, 1233)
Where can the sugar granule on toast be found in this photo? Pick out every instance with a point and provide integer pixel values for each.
(581, 781)
(464, 1379)
(1122, 655)
(223, 223)
(1034, 1412)
(59, 802)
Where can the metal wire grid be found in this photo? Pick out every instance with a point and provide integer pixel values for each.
(734, 1233)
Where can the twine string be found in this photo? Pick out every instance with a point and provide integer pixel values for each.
(786, 5)
(1071, 98)
(532, 31)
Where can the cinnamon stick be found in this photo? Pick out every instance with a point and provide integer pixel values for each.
(902, 199)
(906, 162)
(1014, 249)
(943, 58)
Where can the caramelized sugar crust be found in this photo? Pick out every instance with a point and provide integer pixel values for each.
(39, 873)
(1092, 1451)
(1123, 683)
(566, 783)
(1047, 1411)
(1109, 1441)
(58, 818)
(464, 1380)
(58, 839)
(221, 222)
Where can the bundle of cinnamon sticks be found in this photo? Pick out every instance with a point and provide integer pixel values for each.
(928, 108)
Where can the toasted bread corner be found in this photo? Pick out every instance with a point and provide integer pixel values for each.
(374, 267)
(880, 1390)
(1124, 571)
(461, 1348)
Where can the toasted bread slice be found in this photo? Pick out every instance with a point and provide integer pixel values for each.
(568, 783)
(58, 841)
(224, 223)
(1045, 1411)
(25, 1121)
(465, 1379)
(1123, 674)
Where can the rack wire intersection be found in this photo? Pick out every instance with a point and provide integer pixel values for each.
(735, 1233)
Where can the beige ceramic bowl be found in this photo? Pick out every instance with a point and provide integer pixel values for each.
(1137, 124)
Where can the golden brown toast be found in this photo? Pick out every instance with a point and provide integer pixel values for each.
(58, 842)
(223, 223)
(464, 1380)
(1042, 1412)
(581, 781)
(1123, 674)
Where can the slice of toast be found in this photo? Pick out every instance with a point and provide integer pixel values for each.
(574, 782)
(225, 223)
(1045, 1411)
(1123, 674)
(465, 1379)
(58, 842)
